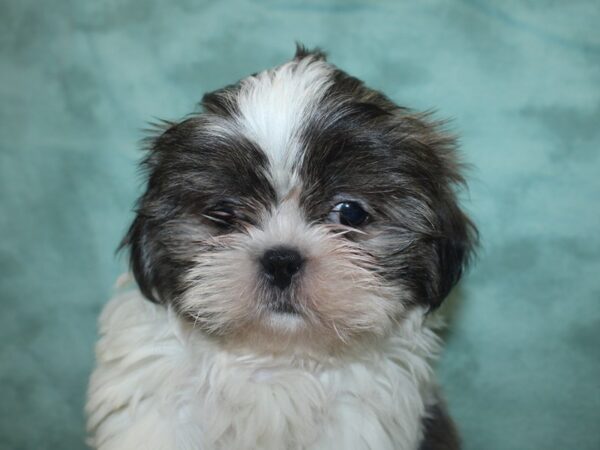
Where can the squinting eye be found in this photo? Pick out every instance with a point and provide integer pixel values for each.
(349, 213)
(222, 215)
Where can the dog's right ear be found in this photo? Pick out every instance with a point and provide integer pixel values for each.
(148, 259)
(143, 257)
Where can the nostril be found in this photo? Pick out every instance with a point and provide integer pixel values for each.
(281, 264)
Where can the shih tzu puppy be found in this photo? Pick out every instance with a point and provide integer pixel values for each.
(290, 249)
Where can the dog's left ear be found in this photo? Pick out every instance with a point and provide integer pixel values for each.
(453, 236)
(454, 246)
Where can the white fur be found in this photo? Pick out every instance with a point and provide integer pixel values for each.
(162, 384)
(273, 107)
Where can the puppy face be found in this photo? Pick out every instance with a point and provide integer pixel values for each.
(300, 202)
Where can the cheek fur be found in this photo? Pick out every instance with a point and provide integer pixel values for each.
(343, 293)
(221, 289)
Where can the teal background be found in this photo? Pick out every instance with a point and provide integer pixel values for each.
(521, 80)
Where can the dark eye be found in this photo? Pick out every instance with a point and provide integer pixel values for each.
(349, 213)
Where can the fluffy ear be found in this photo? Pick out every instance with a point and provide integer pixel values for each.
(150, 263)
(143, 257)
(454, 246)
(451, 234)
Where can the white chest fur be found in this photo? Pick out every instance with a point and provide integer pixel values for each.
(160, 385)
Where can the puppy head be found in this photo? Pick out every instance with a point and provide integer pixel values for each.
(300, 202)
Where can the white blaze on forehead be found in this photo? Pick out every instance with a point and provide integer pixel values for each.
(274, 106)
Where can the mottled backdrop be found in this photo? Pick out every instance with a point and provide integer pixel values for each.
(79, 80)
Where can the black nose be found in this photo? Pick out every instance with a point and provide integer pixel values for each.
(281, 264)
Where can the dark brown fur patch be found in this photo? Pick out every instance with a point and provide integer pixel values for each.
(439, 430)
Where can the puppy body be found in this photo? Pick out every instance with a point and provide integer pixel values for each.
(293, 240)
(160, 385)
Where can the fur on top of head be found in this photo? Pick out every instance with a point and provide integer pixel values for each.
(300, 201)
